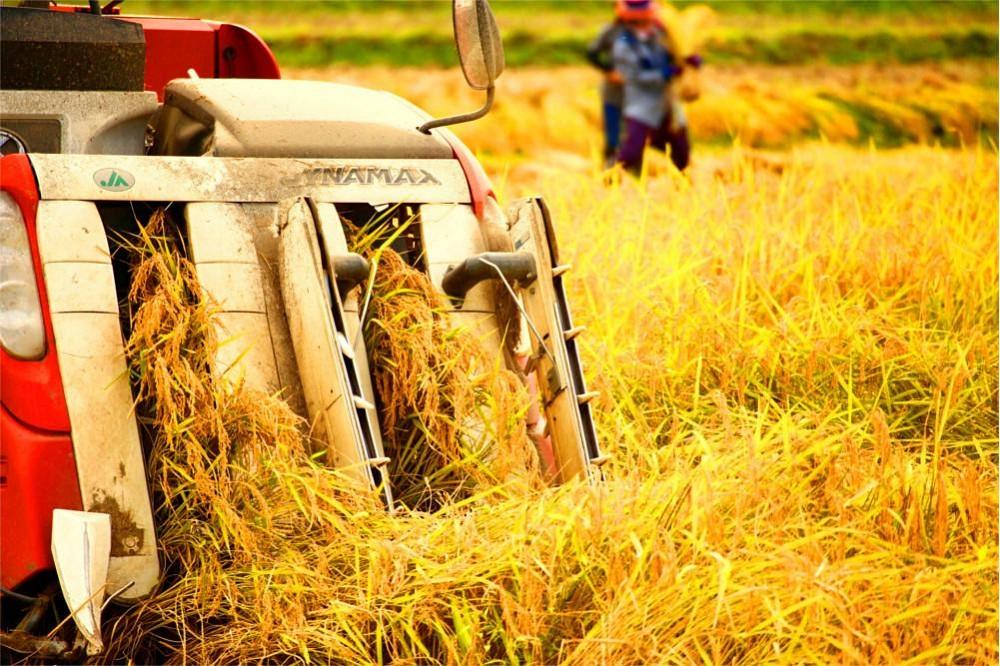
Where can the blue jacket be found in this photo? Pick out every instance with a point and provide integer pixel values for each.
(646, 67)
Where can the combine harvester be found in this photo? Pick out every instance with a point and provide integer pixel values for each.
(106, 118)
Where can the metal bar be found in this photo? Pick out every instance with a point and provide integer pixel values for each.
(461, 118)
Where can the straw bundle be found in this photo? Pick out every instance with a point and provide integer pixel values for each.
(452, 417)
(686, 31)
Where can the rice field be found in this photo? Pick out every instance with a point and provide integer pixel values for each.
(796, 348)
(797, 359)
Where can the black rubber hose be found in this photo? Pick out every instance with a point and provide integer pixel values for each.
(350, 270)
(515, 266)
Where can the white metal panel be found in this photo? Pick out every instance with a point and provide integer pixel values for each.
(562, 398)
(92, 121)
(220, 234)
(335, 242)
(220, 237)
(304, 118)
(244, 352)
(263, 218)
(71, 231)
(79, 177)
(79, 287)
(110, 467)
(106, 443)
(234, 287)
(314, 337)
(451, 233)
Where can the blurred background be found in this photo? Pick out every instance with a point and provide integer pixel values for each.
(777, 73)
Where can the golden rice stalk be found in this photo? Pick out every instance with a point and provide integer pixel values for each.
(452, 416)
(229, 468)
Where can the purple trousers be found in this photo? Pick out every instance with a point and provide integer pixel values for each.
(638, 134)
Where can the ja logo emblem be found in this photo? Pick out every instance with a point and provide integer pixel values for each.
(114, 180)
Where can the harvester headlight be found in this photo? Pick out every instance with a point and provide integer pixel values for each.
(22, 333)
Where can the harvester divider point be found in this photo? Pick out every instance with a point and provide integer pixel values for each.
(559, 270)
(573, 332)
(584, 398)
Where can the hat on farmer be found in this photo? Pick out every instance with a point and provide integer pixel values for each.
(635, 10)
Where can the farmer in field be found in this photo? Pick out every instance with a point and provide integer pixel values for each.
(646, 66)
(646, 58)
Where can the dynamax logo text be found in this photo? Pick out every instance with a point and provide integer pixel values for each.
(367, 175)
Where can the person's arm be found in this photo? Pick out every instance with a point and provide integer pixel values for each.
(626, 62)
(599, 50)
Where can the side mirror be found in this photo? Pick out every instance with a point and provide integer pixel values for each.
(480, 52)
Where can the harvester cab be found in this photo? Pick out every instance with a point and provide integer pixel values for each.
(106, 117)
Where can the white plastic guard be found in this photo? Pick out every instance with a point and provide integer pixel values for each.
(81, 549)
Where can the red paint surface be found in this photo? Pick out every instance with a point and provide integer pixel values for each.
(37, 465)
(173, 46)
(31, 390)
(480, 186)
(37, 475)
(212, 50)
(243, 55)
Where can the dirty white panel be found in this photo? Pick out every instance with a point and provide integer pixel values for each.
(249, 179)
(332, 230)
(562, 400)
(334, 240)
(317, 351)
(92, 121)
(219, 232)
(71, 231)
(106, 442)
(79, 287)
(234, 287)
(242, 354)
(83, 302)
(220, 237)
(263, 219)
(451, 233)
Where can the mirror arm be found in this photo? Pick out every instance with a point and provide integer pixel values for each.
(462, 118)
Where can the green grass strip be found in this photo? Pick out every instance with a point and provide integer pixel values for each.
(524, 48)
